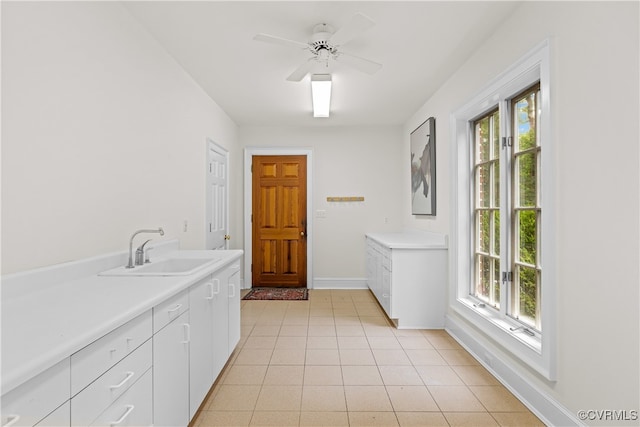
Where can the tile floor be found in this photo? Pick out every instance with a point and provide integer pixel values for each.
(335, 360)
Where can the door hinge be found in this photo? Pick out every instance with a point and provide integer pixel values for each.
(210, 167)
(209, 227)
(251, 167)
(251, 217)
(507, 276)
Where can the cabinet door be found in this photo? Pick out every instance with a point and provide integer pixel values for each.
(133, 408)
(220, 322)
(201, 370)
(234, 307)
(171, 373)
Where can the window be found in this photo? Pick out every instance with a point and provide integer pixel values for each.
(502, 250)
(503, 162)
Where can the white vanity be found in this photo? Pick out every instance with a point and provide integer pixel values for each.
(134, 349)
(407, 272)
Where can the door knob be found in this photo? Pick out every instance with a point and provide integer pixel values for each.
(227, 237)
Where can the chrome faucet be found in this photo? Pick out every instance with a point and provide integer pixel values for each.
(140, 254)
(141, 248)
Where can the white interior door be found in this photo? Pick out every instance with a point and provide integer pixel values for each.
(217, 197)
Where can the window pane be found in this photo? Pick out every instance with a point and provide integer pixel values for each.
(496, 134)
(482, 140)
(483, 231)
(496, 184)
(527, 236)
(526, 169)
(496, 233)
(483, 280)
(528, 294)
(483, 185)
(525, 111)
(496, 283)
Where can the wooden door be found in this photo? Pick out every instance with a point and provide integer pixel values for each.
(279, 218)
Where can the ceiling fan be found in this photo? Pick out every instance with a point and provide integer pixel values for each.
(326, 44)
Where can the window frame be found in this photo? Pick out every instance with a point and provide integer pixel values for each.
(538, 351)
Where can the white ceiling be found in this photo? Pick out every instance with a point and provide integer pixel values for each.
(419, 43)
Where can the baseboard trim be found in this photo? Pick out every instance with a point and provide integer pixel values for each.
(339, 283)
(540, 403)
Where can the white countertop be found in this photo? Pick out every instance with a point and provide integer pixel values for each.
(410, 240)
(45, 326)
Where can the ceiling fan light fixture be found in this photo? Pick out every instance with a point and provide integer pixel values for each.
(321, 94)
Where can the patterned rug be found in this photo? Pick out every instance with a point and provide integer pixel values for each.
(288, 294)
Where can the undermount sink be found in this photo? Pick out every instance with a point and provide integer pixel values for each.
(164, 267)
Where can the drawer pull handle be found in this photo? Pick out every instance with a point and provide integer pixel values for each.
(11, 420)
(211, 293)
(187, 333)
(123, 382)
(176, 308)
(124, 416)
(217, 282)
(232, 288)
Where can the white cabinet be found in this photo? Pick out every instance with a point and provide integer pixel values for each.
(133, 408)
(32, 401)
(233, 284)
(59, 417)
(407, 272)
(171, 362)
(202, 297)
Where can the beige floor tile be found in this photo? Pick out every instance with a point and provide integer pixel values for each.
(317, 356)
(438, 375)
(293, 331)
(345, 311)
(361, 375)
(253, 356)
(266, 330)
(455, 399)
(457, 357)
(322, 342)
(444, 342)
(288, 356)
(421, 419)
(322, 320)
(347, 320)
(425, 357)
(377, 331)
(390, 343)
(245, 374)
(264, 342)
(322, 398)
(400, 375)
(356, 342)
(356, 357)
(352, 330)
(284, 375)
(289, 320)
(517, 419)
(235, 398)
(367, 398)
(411, 398)
(373, 321)
(322, 375)
(275, 418)
(418, 342)
(291, 342)
(322, 331)
(371, 419)
(279, 398)
(497, 399)
(224, 418)
(475, 375)
(333, 419)
(470, 419)
(390, 357)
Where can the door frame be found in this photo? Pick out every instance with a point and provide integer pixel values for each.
(212, 145)
(249, 152)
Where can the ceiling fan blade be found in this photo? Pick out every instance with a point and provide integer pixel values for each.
(280, 41)
(361, 64)
(358, 24)
(304, 69)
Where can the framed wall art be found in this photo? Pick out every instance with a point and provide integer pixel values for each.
(423, 168)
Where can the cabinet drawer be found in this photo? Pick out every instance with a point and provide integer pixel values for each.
(169, 310)
(90, 402)
(90, 362)
(133, 408)
(38, 397)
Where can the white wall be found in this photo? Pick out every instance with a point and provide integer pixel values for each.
(102, 134)
(595, 97)
(348, 161)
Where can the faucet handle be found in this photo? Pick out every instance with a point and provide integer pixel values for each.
(146, 256)
(140, 253)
